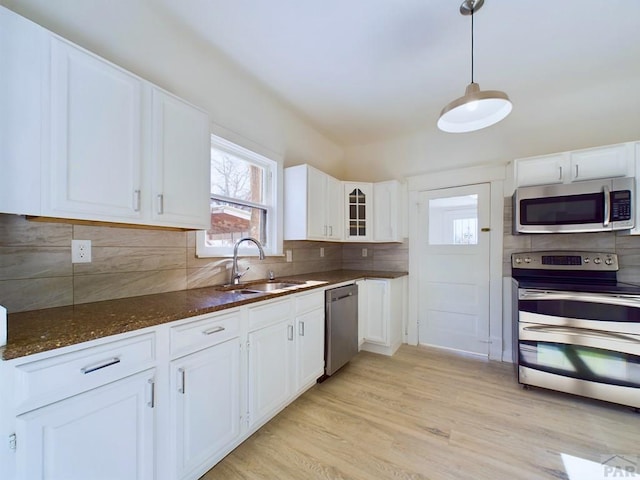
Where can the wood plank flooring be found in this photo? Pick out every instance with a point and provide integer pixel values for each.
(431, 414)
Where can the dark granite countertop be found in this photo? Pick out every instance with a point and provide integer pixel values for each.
(42, 330)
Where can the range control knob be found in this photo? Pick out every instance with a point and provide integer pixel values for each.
(586, 259)
(518, 260)
(608, 261)
(597, 260)
(527, 259)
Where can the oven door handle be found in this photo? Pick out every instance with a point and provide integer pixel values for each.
(583, 332)
(609, 299)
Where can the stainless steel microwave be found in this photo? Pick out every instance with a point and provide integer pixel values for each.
(593, 206)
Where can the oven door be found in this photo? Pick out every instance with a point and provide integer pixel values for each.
(582, 343)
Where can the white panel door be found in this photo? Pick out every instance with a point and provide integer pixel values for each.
(271, 366)
(377, 312)
(335, 209)
(206, 405)
(309, 347)
(104, 434)
(453, 310)
(181, 163)
(96, 141)
(316, 204)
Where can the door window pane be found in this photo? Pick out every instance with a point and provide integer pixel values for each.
(453, 220)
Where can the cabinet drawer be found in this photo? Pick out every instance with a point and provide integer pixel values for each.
(305, 302)
(204, 332)
(58, 377)
(265, 315)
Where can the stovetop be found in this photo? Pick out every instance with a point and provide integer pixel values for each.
(590, 272)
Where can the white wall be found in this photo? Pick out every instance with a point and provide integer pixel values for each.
(137, 36)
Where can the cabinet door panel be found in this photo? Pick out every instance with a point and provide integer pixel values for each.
(541, 170)
(309, 347)
(358, 203)
(181, 162)
(103, 434)
(316, 204)
(206, 393)
(270, 370)
(95, 137)
(603, 162)
(376, 324)
(335, 208)
(386, 212)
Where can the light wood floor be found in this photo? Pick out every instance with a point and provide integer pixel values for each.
(426, 413)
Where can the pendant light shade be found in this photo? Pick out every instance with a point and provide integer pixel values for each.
(476, 109)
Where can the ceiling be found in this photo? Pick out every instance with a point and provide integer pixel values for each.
(365, 70)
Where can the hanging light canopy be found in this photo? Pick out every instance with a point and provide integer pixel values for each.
(477, 109)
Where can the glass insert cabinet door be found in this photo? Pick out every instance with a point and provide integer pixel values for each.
(359, 197)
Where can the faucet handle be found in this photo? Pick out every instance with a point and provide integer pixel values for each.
(272, 276)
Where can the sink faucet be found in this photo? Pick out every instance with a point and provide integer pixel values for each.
(235, 274)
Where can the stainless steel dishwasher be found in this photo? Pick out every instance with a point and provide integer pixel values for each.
(341, 324)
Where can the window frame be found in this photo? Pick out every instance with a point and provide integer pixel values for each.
(273, 168)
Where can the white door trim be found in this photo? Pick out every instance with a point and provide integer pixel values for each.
(495, 175)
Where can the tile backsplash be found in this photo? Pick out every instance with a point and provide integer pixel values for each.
(627, 247)
(36, 270)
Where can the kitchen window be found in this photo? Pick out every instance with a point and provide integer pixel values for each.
(245, 187)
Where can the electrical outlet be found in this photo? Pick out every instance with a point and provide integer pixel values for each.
(80, 251)
(364, 252)
(289, 256)
(321, 252)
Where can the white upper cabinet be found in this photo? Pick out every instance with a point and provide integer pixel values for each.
(388, 212)
(580, 165)
(604, 162)
(24, 51)
(358, 203)
(180, 163)
(313, 205)
(85, 139)
(543, 170)
(96, 141)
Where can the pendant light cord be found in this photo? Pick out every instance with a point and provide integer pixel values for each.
(472, 43)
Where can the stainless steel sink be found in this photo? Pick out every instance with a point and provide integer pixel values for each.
(270, 286)
(260, 287)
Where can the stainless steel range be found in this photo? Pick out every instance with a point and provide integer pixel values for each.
(576, 328)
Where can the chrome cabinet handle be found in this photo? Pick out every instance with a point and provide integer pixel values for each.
(136, 200)
(213, 330)
(577, 171)
(560, 169)
(160, 204)
(181, 380)
(301, 329)
(152, 396)
(331, 230)
(100, 365)
(290, 332)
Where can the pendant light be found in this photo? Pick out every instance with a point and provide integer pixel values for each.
(477, 109)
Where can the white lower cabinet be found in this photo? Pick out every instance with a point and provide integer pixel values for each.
(205, 398)
(107, 433)
(381, 314)
(309, 341)
(270, 360)
(165, 403)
